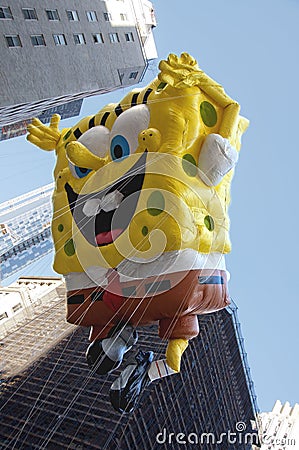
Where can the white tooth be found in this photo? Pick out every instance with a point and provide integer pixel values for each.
(111, 201)
(91, 207)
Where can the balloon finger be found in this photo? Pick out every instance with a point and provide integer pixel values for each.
(44, 144)
(55, 119)
(36, 131)
(33, 139)
(37, 123)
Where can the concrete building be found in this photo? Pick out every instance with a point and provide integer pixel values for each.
(25, 299)
(279, 428)
(25, 230)
(53, 52)
(50, 399)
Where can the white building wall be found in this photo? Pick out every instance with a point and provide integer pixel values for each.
(23, 299)
(279, 429)
(139, 13)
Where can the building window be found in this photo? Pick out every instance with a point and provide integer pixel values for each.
(98, 38)
(17, 307)
(121, 76)
(79, 38)
(133, 75)
(38, 40)
(91, 16)
(5, 12)
(123, 17)
(72, 15)
(52, 14)
(113, 37)
(59, 39)
(13, 41)
(3, 228)
(107, 16)
(3, 316)
(29, 14)
(129, 37)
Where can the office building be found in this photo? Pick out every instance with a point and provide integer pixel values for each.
(279, 428)
(21, 302)
(25, 230)
(54, 52)
(52, 400)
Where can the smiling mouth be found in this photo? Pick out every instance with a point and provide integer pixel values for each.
(104, 215)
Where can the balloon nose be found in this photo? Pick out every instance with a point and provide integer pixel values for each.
(150, 139)
(79, 155)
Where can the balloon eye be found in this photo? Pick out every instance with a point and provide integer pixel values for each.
(82, 171)
(119, 148)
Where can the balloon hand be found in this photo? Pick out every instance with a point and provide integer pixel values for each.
(45, 137)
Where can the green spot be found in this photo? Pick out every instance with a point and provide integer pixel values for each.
(209, 223)
(208, 114)
(60, 227)
(67, 135)
(189, 165)
(69, 247)
(161, 86)
(144, 231)
(155, 203)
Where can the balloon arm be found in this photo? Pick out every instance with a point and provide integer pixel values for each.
(217, 157)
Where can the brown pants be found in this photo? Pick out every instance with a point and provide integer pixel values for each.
(174, 300)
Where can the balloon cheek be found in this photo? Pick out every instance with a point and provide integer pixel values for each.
(150, 140)
(63, 176)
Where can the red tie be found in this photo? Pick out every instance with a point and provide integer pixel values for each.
(113, 297)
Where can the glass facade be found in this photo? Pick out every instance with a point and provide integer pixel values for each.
(207, 406)
(25, 230)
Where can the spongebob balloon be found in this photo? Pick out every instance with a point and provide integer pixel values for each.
(140, 221)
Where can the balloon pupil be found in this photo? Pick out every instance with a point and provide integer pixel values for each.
(118, 151)
(83, 170)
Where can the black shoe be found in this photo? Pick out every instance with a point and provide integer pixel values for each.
(126, 390)
(105, 355)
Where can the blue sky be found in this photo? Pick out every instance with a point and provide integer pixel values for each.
(251, 48)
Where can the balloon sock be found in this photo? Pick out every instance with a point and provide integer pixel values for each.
(159, 369)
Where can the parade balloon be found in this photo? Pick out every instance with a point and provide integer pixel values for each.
(140, 217)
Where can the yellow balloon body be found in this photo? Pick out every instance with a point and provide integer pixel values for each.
(175, 209)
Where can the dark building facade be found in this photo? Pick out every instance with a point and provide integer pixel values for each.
(65, 111)
(57, 403)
